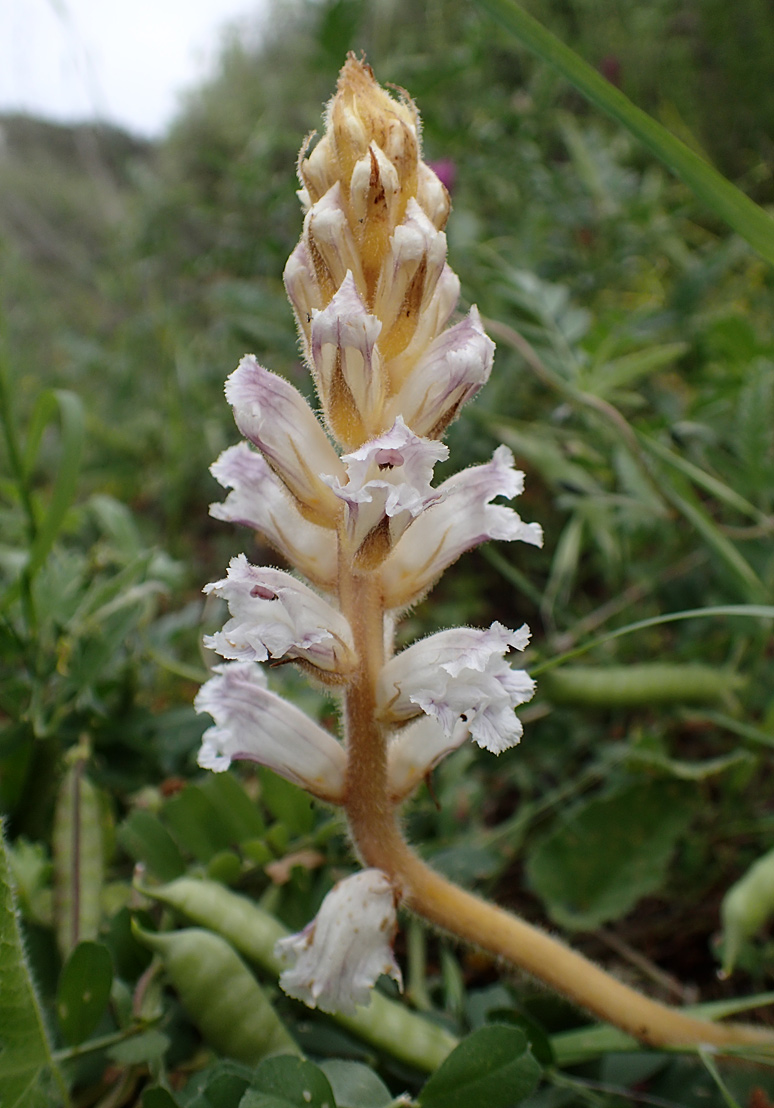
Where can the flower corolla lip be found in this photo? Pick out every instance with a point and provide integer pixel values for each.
(254, 724)
(417, 749)
(460, 674)
(276, 616)
(260, 500)
(336, 960)
(462, 518)
(388, 486)
(275, 417)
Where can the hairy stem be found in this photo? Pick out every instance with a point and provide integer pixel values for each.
(380, 843)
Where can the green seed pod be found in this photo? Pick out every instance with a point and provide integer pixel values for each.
(384, 1023)
(78, 856)
(219, 994)
(639, 685)
(746, 907)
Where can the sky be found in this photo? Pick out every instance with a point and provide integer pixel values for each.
(119, 61)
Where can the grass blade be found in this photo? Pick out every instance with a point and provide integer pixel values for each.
(720, 196)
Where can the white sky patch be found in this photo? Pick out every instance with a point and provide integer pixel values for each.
(119, 61)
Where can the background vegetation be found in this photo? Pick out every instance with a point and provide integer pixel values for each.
(635, 383)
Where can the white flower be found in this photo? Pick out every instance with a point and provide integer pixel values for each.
(336, 960)
(460, 674)
(261, 501)
(416, 750)
(462, 518)
(276, 418)
(276, 616)
(388, 486)
(347, 364)
(256, 725)
(451, 372)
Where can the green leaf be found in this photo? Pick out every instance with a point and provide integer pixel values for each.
(355, 1085)
(235, 808)
(220, 1085)
(71, 418)
(158, 1098)
(492, 1068)
(720, 196)
(717, 611)
(146, 839)
(83, 991)
(746, 907)
(295, 1080)
(255, 1099)
(609, 852)
(27, 1072)
(196, 824)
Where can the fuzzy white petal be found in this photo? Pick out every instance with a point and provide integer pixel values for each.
(388, 485)
(260, 500)
(460, 674)
(336, 960)
(276, 616)
(417, 749)
(254, 724)
(275, 417)
(346, 362)
(461, 519)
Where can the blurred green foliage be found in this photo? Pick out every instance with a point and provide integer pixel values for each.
(634, 381)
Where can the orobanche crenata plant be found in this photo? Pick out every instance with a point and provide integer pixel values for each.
(349, 501)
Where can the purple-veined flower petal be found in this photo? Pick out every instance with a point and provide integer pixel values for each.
(327, 228)
(260, 500)
(336, 960)
(417, 749)
(451, 372)
(276, 616)
(303, 289)
(347, 364)
(460, 674)
(459, 521)
(254, 724)
(388, 486)
(417, 253)
(276, 418)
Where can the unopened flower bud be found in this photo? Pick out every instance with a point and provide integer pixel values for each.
(277, 419)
